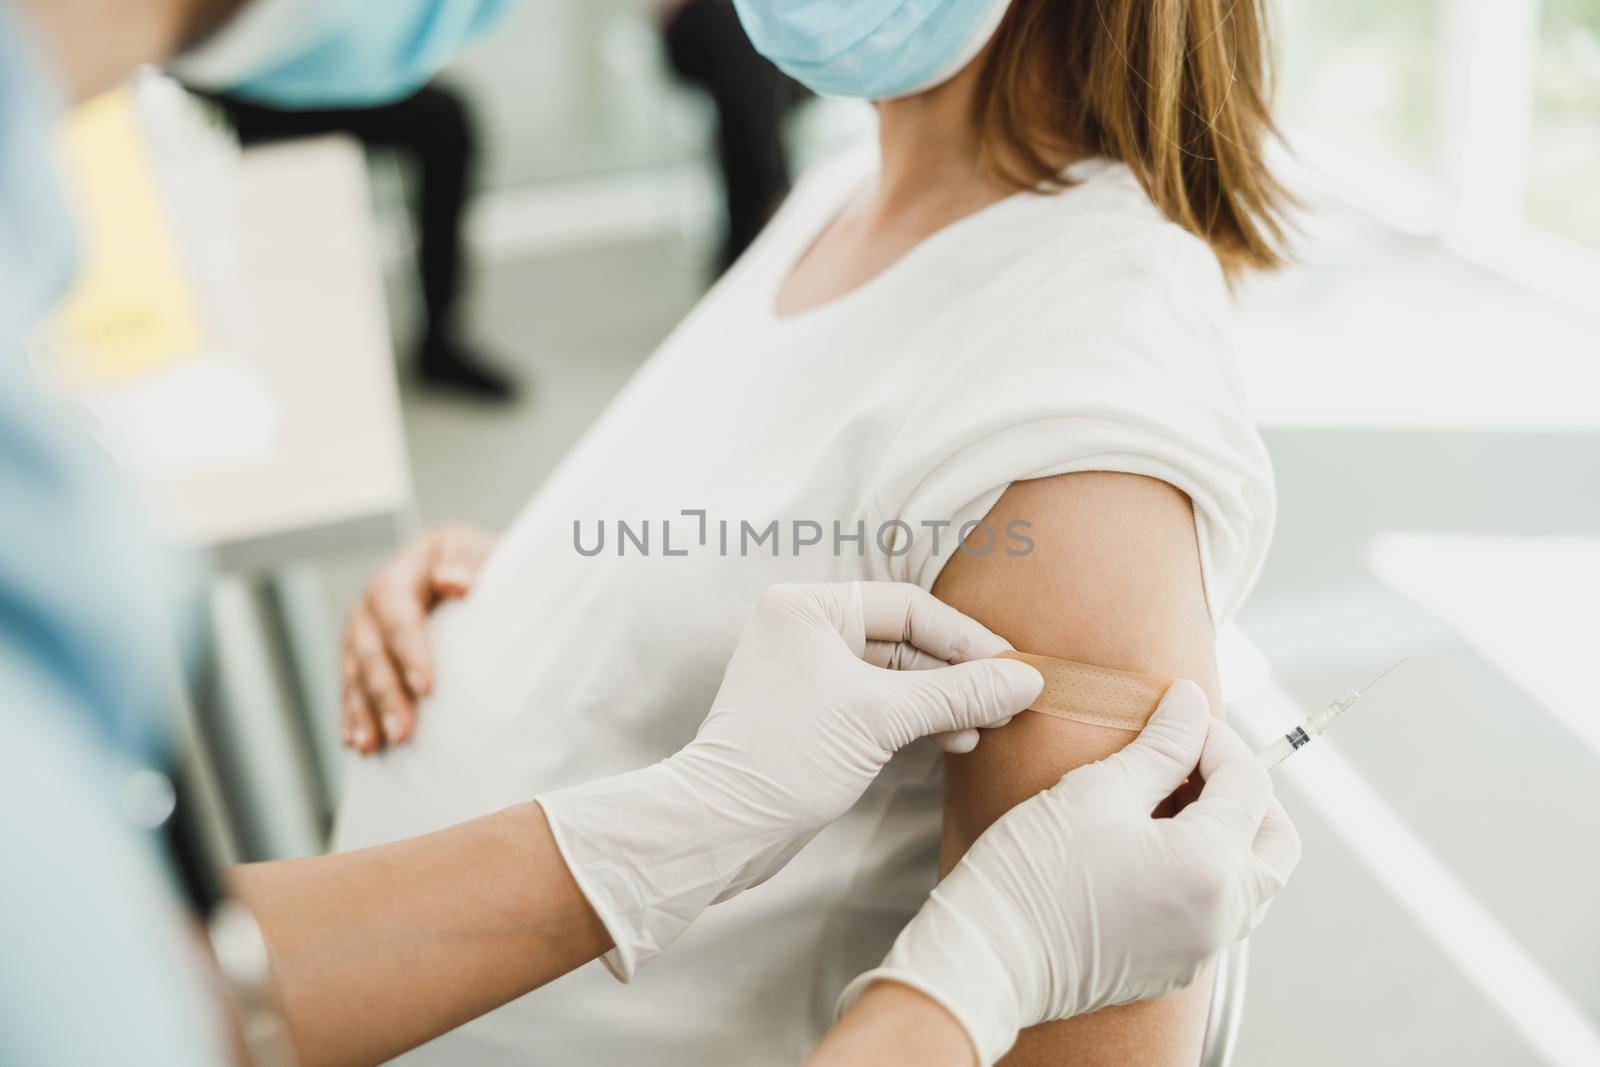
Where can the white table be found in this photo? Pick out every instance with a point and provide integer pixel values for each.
(317, 333)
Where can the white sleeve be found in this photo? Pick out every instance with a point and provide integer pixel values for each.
(1127, 369)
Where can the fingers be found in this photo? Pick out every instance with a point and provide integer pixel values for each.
(399, 610)
(1237, 791)
(899, 612)
(986, 692)
(1275, 854)
(458, 556)
(385, 661)
(380, 680)
(960, 742)
(441, 564)
(358, 720)
(1167, 750)
(1277, 843)
(900, 656)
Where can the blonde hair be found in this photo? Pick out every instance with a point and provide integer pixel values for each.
(1176, 89)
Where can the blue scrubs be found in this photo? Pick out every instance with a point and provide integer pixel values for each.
(98, 963)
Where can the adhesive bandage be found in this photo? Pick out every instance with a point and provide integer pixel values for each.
(1100, 696)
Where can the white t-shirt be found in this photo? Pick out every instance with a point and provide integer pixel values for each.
(1045, 334)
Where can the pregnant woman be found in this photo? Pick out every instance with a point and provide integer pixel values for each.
(991, 359)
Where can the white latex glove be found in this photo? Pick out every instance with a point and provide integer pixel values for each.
(1077, 898)
(806, 717)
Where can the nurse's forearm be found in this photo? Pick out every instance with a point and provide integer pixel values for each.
(894, 1024)
(377, 951)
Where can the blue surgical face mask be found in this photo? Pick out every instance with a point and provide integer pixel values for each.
(871, 49)
(335, 53)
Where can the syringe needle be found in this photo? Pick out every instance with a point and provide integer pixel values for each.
(1381, 677)
(1316, 724)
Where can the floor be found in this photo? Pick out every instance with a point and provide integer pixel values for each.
(1435, 437)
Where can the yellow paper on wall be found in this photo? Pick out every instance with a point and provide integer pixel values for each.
(132, 308)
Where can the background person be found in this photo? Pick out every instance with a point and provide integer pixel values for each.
(432, 131)
(708, 48)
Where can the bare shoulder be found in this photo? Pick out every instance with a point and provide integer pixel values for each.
(1112, 577)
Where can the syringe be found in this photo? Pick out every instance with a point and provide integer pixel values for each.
(1315, 725)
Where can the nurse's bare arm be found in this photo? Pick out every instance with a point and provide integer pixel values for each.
(1114, 579)
(376, 951)
(894, 1024)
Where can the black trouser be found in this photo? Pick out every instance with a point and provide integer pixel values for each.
(707, 47)
(433, 130)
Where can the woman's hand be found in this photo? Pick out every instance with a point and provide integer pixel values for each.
(384, 659)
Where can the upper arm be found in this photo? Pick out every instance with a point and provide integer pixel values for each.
(1113, 579)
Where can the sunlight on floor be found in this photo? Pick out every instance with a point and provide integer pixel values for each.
(1525, 605)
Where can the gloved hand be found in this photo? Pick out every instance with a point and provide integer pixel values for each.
(1077, 898)
(807, 716)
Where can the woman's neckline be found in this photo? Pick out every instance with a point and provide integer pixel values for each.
(902, 265)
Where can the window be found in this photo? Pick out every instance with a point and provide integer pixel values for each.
(1365, 74)
(1475, 121)
(1563, 177)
